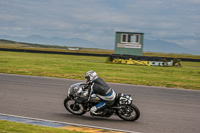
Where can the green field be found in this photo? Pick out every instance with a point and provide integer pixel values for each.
(75, 67)
(13, 127)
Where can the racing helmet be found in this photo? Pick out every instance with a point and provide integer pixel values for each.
(90, 76)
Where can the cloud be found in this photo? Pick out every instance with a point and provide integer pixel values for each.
(96, 19)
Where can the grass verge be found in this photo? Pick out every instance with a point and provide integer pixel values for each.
(14, 127)
(75, 67)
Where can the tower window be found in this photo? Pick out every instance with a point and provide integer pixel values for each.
(130, 38)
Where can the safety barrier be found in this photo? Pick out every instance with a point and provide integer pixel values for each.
(144, 60)
(52, 52)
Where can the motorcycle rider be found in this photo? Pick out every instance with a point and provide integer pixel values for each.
(97, 87)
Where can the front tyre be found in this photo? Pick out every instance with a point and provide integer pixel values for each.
(129, 113)
(73, 107)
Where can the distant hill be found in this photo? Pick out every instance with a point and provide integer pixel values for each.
(74, 42)
(149, 45)
(166, 47)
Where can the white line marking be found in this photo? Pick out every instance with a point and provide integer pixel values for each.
(67, 123)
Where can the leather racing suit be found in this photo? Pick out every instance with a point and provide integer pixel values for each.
(101, 89)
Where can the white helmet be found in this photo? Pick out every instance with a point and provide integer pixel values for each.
(90, 76)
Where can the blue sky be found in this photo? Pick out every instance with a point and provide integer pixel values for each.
(175, 21)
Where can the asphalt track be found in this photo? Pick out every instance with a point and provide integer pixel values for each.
(163, 110)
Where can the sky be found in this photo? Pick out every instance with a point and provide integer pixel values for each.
(176, 21)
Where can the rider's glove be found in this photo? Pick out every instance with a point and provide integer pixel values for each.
(93, 96)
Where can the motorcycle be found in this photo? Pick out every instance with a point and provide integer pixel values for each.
(123, 107)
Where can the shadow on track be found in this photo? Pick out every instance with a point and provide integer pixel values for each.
(87, 117)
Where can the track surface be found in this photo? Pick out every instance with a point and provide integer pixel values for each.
(163, 110)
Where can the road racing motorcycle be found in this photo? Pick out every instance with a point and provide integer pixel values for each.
(123, 107)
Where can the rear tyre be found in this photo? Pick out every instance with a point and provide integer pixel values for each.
(73, 107)
(129, 113)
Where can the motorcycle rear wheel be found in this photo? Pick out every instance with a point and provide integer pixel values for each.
(129, 113)
(73, 107)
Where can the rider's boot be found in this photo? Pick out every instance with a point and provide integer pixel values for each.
(98, 113)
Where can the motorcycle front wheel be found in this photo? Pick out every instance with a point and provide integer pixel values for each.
(73, 107)
(129, 113)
